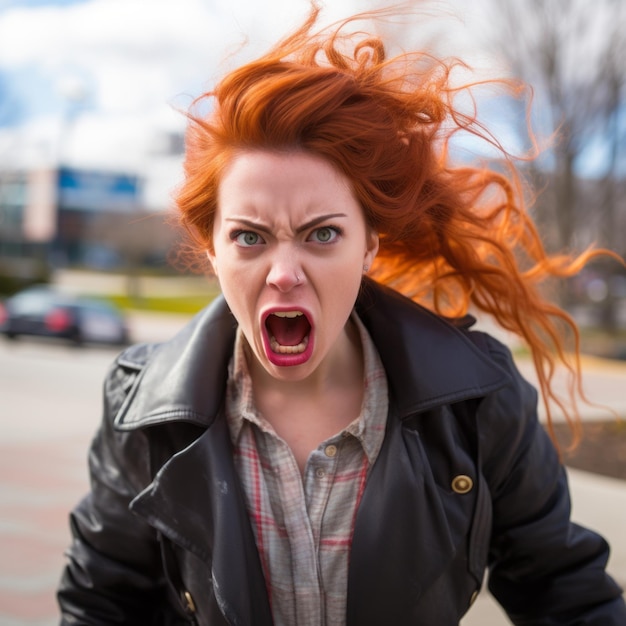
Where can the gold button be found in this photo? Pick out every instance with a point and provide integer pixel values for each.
(462, 484)
(473, 598)
(330, 450)
(191, 605)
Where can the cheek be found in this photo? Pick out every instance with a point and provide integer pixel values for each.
(240, 289)
(342, 289)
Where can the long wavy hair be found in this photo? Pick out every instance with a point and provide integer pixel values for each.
(453, 238)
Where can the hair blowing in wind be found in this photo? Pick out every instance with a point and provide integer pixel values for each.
(452, 237)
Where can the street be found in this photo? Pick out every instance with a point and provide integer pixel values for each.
(49, 409)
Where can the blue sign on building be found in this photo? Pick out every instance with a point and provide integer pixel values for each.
(90, 190)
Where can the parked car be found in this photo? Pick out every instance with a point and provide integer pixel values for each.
(45, 312)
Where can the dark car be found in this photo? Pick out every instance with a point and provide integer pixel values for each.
(44, 312)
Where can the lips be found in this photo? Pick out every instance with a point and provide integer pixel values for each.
(288, 337)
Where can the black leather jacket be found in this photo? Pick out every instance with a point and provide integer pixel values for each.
(466, 479)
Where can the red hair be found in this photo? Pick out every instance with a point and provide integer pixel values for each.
(450, 237)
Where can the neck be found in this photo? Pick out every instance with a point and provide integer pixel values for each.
(306, 412)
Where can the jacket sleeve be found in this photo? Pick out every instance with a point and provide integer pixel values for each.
(544, 569)
(113, 572)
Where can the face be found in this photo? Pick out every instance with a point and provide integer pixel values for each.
(289, 245)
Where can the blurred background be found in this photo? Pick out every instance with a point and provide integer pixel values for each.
(92, 94)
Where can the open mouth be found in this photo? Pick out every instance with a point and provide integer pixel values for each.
(288, 332)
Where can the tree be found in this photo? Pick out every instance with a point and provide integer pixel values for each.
(571, 53)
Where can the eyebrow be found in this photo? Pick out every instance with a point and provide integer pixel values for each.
(306, 226)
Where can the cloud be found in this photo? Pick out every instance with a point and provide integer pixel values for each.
(135, 54)
(122, 64)
(130, 54)
(94, 79)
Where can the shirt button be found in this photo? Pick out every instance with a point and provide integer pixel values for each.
(330, 450)
(319, 472)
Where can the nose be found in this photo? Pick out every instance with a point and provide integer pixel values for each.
(285, 271)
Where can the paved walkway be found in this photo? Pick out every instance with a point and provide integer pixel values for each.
(39, 483)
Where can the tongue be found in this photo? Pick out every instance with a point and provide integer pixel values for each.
(288, 331)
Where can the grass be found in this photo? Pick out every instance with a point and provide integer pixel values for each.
(188, 304)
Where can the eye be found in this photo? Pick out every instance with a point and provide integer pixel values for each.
(324, 234)
(246, 238)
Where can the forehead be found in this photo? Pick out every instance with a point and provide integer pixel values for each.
(256, 181)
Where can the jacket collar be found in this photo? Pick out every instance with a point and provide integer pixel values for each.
(185, 377)
(429, 362)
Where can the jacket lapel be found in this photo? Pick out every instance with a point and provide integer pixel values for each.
(401, 542)
(196, 501)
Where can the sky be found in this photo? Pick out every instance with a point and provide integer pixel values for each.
(110, 69)
(98, 84)
(107, 70)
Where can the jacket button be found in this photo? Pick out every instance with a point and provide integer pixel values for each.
(462, 484)
(189, 603)
(473, 598)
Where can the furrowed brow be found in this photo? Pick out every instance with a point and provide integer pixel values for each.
(250, 224)
(257, 226)
(318, 220)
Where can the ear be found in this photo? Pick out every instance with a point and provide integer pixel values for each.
(212, 260)
(372, 248)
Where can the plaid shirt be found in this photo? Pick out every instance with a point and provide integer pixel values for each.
(303, 524)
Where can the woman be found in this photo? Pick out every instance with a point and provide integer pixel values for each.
(316, 448)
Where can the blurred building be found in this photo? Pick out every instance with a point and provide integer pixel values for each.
(60, 217)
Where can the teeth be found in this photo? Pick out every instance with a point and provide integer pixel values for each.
(280, 349)
(289, 314)
(276, 347)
